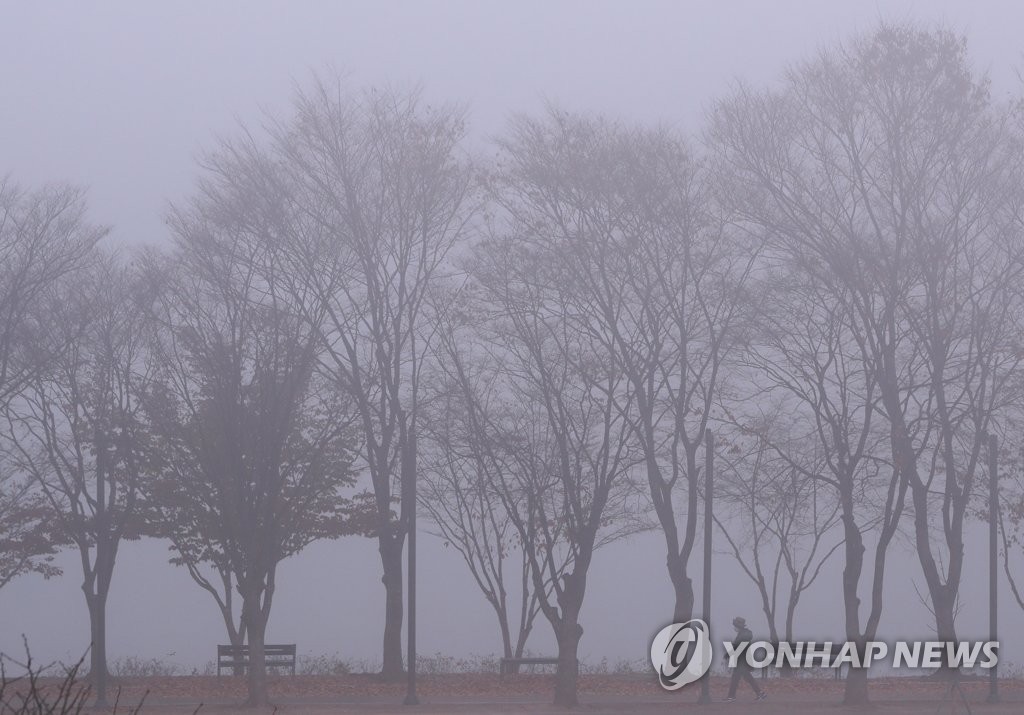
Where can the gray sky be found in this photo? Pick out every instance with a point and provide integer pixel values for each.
(122, 96)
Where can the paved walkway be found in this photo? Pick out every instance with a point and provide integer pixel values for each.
(596, 705)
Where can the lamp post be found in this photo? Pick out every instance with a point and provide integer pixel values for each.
(709, 490)
(993, 599)
(409, 498)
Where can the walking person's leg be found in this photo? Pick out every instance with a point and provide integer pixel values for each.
(734, 681)
(748, 675)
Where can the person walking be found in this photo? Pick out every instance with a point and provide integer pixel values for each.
(742, 669)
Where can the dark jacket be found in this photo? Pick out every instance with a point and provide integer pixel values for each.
(740, 643)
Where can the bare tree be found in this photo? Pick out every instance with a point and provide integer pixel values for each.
(458, 489)
(256, 450)
(560, 416)
(651, 275)
(806, 362)
(384, 197)
(77, 429)
(44, 237)
(883, 168)
(1011, 513)
(779, 518)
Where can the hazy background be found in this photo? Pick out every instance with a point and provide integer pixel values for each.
(122, 97)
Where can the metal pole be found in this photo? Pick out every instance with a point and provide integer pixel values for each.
(409, 484)
(993, 600)
(709, 490)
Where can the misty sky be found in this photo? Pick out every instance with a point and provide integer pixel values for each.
(122, 98)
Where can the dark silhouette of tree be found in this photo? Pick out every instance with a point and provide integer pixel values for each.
(652, 275)
(256, 449)
(777, 517)
(44, 237)
(556, 425)
(78, 430)
(384, 196)
(458, 489)
(28, 541)
(882, 173)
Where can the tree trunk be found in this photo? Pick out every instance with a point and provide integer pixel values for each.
(942, 595)
(856, 690)
(506, 635)
(390, 547)
(506, 632)
(526, 612)
(97, 604)
(567, 675)
(236, 637)
(944, 604)
(255, 628)
(682, 587)
(520, 648)
(676, 558)
(794, 595)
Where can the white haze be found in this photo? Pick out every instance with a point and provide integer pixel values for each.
(122, 97)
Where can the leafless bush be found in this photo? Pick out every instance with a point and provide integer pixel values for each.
(323, 664)
(36, 692)
(440, 664)
(133, 666)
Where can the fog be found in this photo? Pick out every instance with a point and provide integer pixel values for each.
(123, 97)
(327, 604)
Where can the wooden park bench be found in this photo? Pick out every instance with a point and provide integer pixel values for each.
(275, 656)
(508, 666)
(837, 672)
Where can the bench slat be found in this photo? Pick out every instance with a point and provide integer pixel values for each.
(276, 655)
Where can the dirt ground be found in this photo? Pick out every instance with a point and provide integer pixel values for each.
(483, 694)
